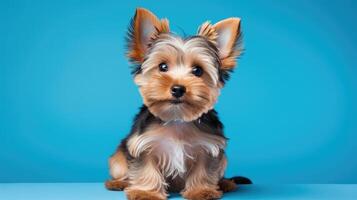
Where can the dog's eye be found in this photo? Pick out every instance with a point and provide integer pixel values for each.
(163, 67)
(197, 71)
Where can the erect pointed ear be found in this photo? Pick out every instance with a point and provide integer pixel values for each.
(144, 28)
(226, 34)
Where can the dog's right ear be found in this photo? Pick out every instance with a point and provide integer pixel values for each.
(144, 28)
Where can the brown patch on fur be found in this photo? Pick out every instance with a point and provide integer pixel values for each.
(117, 185)
(202, 193)
(144, 195)
(227, 185)
(208, 31)
(229, 63)
(228, 51)
(139, 42)
(118, 165)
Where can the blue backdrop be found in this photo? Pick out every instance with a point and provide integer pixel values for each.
(67, 97)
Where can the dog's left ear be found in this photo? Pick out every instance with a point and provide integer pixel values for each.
(226, 34)
(145, 27)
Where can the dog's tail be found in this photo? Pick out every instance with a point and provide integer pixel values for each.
(230, 184)
(241, 180)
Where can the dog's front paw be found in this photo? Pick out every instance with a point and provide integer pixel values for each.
(118, 185)
(144, 195)
(202, 194)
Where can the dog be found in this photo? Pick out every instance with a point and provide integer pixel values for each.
(176, 143)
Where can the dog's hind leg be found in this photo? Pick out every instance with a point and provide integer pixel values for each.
(118, 170)
(227, 185)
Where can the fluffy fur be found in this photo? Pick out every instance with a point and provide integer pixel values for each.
(176, 143)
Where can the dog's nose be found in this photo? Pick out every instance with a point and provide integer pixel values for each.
(178, 91)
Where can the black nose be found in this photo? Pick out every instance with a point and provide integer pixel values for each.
(178, 91)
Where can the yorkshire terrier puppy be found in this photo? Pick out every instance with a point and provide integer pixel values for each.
(176, 143)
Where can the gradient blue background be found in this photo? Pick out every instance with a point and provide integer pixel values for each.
(67, 97)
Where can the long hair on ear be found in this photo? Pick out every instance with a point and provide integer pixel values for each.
(143, 29)
(227, 36)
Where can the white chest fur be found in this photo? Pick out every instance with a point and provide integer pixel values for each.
(173, 144)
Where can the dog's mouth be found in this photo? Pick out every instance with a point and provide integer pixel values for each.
(176, 109)
(168, 101)
(176, 101)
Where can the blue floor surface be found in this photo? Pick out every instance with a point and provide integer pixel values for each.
(96, 191)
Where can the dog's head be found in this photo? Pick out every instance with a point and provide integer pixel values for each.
(180, 78)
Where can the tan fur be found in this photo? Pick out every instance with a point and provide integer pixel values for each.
(173, 145)
(208, 31)
(138, 46)
(202, 179)
(228, 52)
(155, 86)
(144, 195)
(146, 176)
(197, 151)
(118, 166)
(202, 193)
(116, 184)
